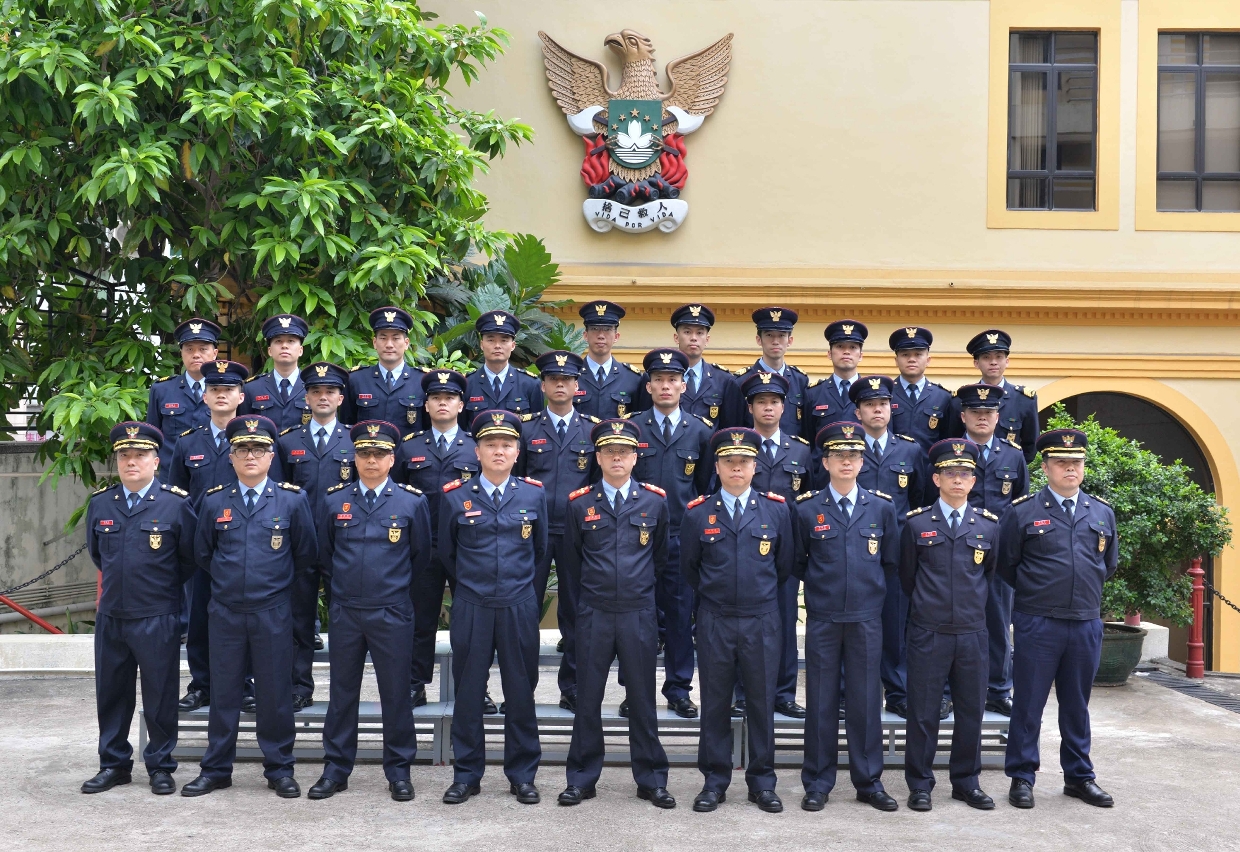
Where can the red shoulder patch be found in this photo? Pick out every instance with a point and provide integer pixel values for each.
(580, 492)
(532, 481)
(779, 498)
(451, 486)
(696, 501)
(656, 489)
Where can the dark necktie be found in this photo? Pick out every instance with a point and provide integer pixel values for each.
(618, 501)
(443, 444)
(844, 386)
(496, 497)
(561, 430)
(391, 381)
(912, 394)
(1067, 508)
(219, 441)
(195, 391)
(667, 430)
(251, 497)
(134, 498)
(985, 453)
(769, 446)
(370, 499)
(691, 382)
(737, 511)
(953, 522)
(602, 375)
(320, 439)
(878, 449)
(285, 389)
(845, 503)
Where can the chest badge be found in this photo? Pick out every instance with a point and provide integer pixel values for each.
(1102, 542)
(978, 556)
(903, 479)
(714, 412)
(689, 466)
(644, 537)
(394, 534)
(873, 545)
(1007, 486)
(764, 547)
(467, 505)
(796, 482)
(934, 421)
(345, 472)
(1012, 437)
(465, 475)
(620, 409)
(583, 461)
(305, 418)
(526, 529)
(157, 541)
(276, 541)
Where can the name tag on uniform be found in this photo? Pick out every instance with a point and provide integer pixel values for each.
(579, 393)
(822, 407)
(593, 517)
(264, 398)
(105, 523)
(418, 459)
(172, 405)
(477, 398)
(822, 528)
(474, 513)
(296, 452)
(643, 446)
(894, 406)
(196, 458)
(930, 534)
(711, 531)
(1042, 523)
(364, 396)
(538, 441)
(344, 516)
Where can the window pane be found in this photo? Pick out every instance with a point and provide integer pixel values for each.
(1220, 195)
(1177, 122)
(1077, 48)
(1221, 49)
(1026, 193)
(1177, 48)
(1177, 195)
(1029, 48)
(1074, 121)
(1074, 194)
(1027, 121)
(1222, 123)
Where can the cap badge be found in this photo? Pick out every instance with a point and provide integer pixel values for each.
(285, 322)
(221, 366)
(982, 393)
(738, 437)
(497, 417)
(666, 357)
(958, 449)
(848, 328)
(131, 431)
(390, 316)
(875, 383)
(848, 430)
(911, 331)
(561, 360)
(617, 428)
(1068, 439)
(372, 429)
(195, 327)
(500, 319)
(600, 309)
(992, 338)
(251, 425)
(775, 315)
(764, 378)
(321, 369)
(443, 378)
(695, 310)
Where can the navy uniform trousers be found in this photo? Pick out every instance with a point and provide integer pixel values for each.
(750, 645)
(478, 633)
(959, 660)
(387, 634)
(122, 647)
(568, 587)
(241, 642)
(633, 637)
(858, 647)
(1063, 652)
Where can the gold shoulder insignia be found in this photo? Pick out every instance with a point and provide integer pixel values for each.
(953, 394)
(1020, 499)
(532, 481)
(187, 431)
(101, 490)
(878, 493)
(986, 513)
(412, 435)
(794, 368)
(338, 486)
(1100, 500)
(255, 376)
(177, 491)
(452, 486)
(411, 489)
(167, 378)
(802, 440)
(778, 498)
(742, 371)
(288, 486)
(806, 495)
(358, 367)
(916, 512)
(593, 419)
(705, 420)
(1013, 443)
(817, 383)
(656, 489)
(526, 418)
(580, 492)
(528, 373)
(216, 488)
(291, 429)
(696, 501)
(1029, 392)
(906, 437)
(626, 415)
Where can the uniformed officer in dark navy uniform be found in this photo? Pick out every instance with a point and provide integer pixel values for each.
(783, 467)
(497, 384)
(616, 546)
(919, 407)
(557, 451)
(827, 400)
(947, 555)
(848, 545)
(1002, 476)
(1056, 548)
(374, 538)
(774, 337)
(1018, 410)
(607, 388)
(390, 390)
(280, 394)
(175, 404)
(710, 391)
(317, 456)
(428, 461)
(737, 547)
(253, 537)
(140, 537)
(492, 537)
(674, 454)
(894, 465)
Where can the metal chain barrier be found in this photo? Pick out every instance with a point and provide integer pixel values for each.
(46, 573)
(1218, 594)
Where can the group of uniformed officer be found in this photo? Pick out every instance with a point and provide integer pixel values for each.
(684, 509)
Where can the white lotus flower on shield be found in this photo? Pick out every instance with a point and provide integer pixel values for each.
(634, 147)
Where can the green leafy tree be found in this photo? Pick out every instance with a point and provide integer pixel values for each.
(1162, 518)
(232, 158)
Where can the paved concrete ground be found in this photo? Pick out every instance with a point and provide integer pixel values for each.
(1172, 762)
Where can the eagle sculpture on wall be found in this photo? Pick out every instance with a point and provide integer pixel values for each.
(634, 135)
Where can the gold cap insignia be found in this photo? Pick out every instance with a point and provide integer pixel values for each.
(764, 378)
(875, 383)
(666, 357)
(992, 338)
(982, 393)
(1068, 439)
(600, 309)
(285, 322)
(321, 369)
(848, 430)
(695, 310)
(221, 366)
(443, 378)
(390, 316)
(372, 429)
(958, 449)
(251, 425)
(848, 329)
(195, 327)
(775, 315)
(561, 360)
(738, 437)
(497, 417)
(617, 428)
(131, 431)
(911, 331)
(499, 319)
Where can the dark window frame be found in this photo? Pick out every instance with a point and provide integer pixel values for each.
(1052, 70)
(1198, 72)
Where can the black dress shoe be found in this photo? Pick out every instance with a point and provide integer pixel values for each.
(318, 642)
(162, 783)
(738, 709)
(897, 707)
(575, 795)
(767, 800)
(488, 706)
(568, 701)
(325, 788)
(624, 709)
(683, 707)
(559, 646)
(707, 800)
(813, 801)
(193, 699)
(919, 800)
(1021, 794)
(975, 799)
(945, 709)
(1003, 706)
(1089, 793)
(657, 796)
(106, 780)
(402, 791)
(527, 794)
(790, 709)
(249, 704)
(286, 787)
(458, 793)
(841, 708)
(879, 800)
(202, 785)
(417, 696)
(301, 702)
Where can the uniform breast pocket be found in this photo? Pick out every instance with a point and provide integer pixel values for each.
(520, 405)
(173, 410)
(108, 532)
(1099, 534)
(580, 459)
(1005, 480)
(643, 528)
(977, 552)
(394, 529)
(521, 521)
(155, 535)
(901, 475)
(261, 403)
(1010, 426)
(714, 404)
(466, 471)
(763, 541)
(623, 403)
(413, 407)
(687, 463)
(1036, 535)
(821, 412)
(366, 404)
(796, 474)
(873, 540)
(345, 468)
(278, 531)
(595, 529)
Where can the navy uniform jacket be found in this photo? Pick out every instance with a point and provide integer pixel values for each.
(944, 577)
(1057, 570)
(561, 468)
(172, 410)
(252, 558)
(368, 398)
(313, 472)
(843, 562)
(615, 398)
(520, 393)
(372, 556)
(262, 396)
(619, 556)
(683, 468)
(1018, 418)
(1001, 479)
(794, 402)
(824, 405)
(199, 464)
(927, 421)
(493, 553)
(145, 555)
(790, 472)
(718, 398)
(737, 571)
(902, 474)
(420, 464)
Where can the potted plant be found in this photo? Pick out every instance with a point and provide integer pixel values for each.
(1162, 518)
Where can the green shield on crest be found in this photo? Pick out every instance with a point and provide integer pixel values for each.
(635, 132)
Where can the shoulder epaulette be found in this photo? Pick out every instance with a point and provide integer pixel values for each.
(580, 492)
(593, 419)
(656, 489)
(253, 377)
(291, 429)
(696, 501)
(187, 431)
(878, 493)
(216, 488)
(802, 440)
(358, 367)
(1100, 500)
(771, 495)
(1020, 499)
(817, 383)
(626, 415)
(288, 486)
(916, 512)
(742, 371)
(411, 489)
(167, 378)
(720, 369)
(1010, 441)
(953, 393)
(794, 368)
(986, 513)
(338, 486)
(705, 420)
(1029, 392)
(411, 435)
(180, 492)
(631, 367)
(806, 495)
(103, 489)
(531, 481)
(528, 373)
(906, 437)
(452, 486)
(526, 418)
